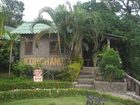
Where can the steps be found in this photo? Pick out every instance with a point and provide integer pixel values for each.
(86, 78)
(85, 81)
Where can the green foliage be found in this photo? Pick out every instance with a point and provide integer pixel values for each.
(71, 72)
(2, 20)
(34, 85)
(78, 59)
(41, 93)
(112, 73)
(21, 69)
(111, 65)
(134, 60)
(74, 70)
(111, 57)
(14, 11)
(4, 58)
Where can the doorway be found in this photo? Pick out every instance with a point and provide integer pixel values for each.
(87, 56)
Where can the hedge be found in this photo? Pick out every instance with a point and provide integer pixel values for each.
(34, 85)
(6, 96)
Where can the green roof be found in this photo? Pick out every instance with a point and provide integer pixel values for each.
(25, 28)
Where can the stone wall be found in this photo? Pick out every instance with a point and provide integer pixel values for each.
(115, 87)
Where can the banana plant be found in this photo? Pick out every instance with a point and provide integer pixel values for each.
(11, 40)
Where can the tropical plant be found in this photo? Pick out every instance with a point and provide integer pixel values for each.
(111, 65)
(88, 27)
(11, 39)
(70, 73)
(58, 24)
(2, 20)
(4, 57)
(21, 69)
(74, 26)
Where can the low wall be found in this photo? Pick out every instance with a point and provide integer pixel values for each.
(115, 87)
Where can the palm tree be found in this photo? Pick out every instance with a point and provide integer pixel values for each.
(11, 39)
(87, 26)
(58, 24)
(75, 25)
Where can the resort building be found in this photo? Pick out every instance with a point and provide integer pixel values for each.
(46, 54)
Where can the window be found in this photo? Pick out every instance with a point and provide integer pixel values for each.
(54, 48)
(29, 48)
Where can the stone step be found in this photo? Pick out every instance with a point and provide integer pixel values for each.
(88, 76)
(87, 71)
(85, 81)
(90, 68)
(85, 86)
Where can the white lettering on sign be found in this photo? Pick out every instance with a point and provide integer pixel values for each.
(38, 75)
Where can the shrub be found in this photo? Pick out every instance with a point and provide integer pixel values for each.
(74, 70)
(78, 60)
(111, 65)
(111, 57)
(34, 85)
(112, 73)
(41, 93)
(21, 69)
(71, 72)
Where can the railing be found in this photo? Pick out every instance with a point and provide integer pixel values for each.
(133, 85)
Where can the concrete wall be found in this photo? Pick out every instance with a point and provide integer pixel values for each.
(115, 87)
(41, 54)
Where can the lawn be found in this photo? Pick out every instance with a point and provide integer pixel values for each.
(75, 100)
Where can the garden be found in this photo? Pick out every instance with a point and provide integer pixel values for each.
(107, 30)
(59, 96)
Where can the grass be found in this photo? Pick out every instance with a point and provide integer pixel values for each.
(73, 100)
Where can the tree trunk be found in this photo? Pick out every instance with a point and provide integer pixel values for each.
(59, 44)
(10, 58)
(108, 43)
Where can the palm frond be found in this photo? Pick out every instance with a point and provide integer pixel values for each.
(39, 35)
(50, 11)
(41, 21)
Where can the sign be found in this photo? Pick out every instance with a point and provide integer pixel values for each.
(50, 61)
(38, 75)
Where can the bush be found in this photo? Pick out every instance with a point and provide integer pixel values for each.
(21, 69)
(71, 72)
(4, 58)
(112, 73)
(34, 85)
(111, 65)
(74, 70)
(110, 57)
(41, 93)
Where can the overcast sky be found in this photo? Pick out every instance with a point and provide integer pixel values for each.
(32, 7)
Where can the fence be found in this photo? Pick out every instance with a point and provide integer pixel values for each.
(133, 85)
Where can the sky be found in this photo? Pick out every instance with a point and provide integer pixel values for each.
(32, 7)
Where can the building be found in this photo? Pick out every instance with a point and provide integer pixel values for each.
(47, 53)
